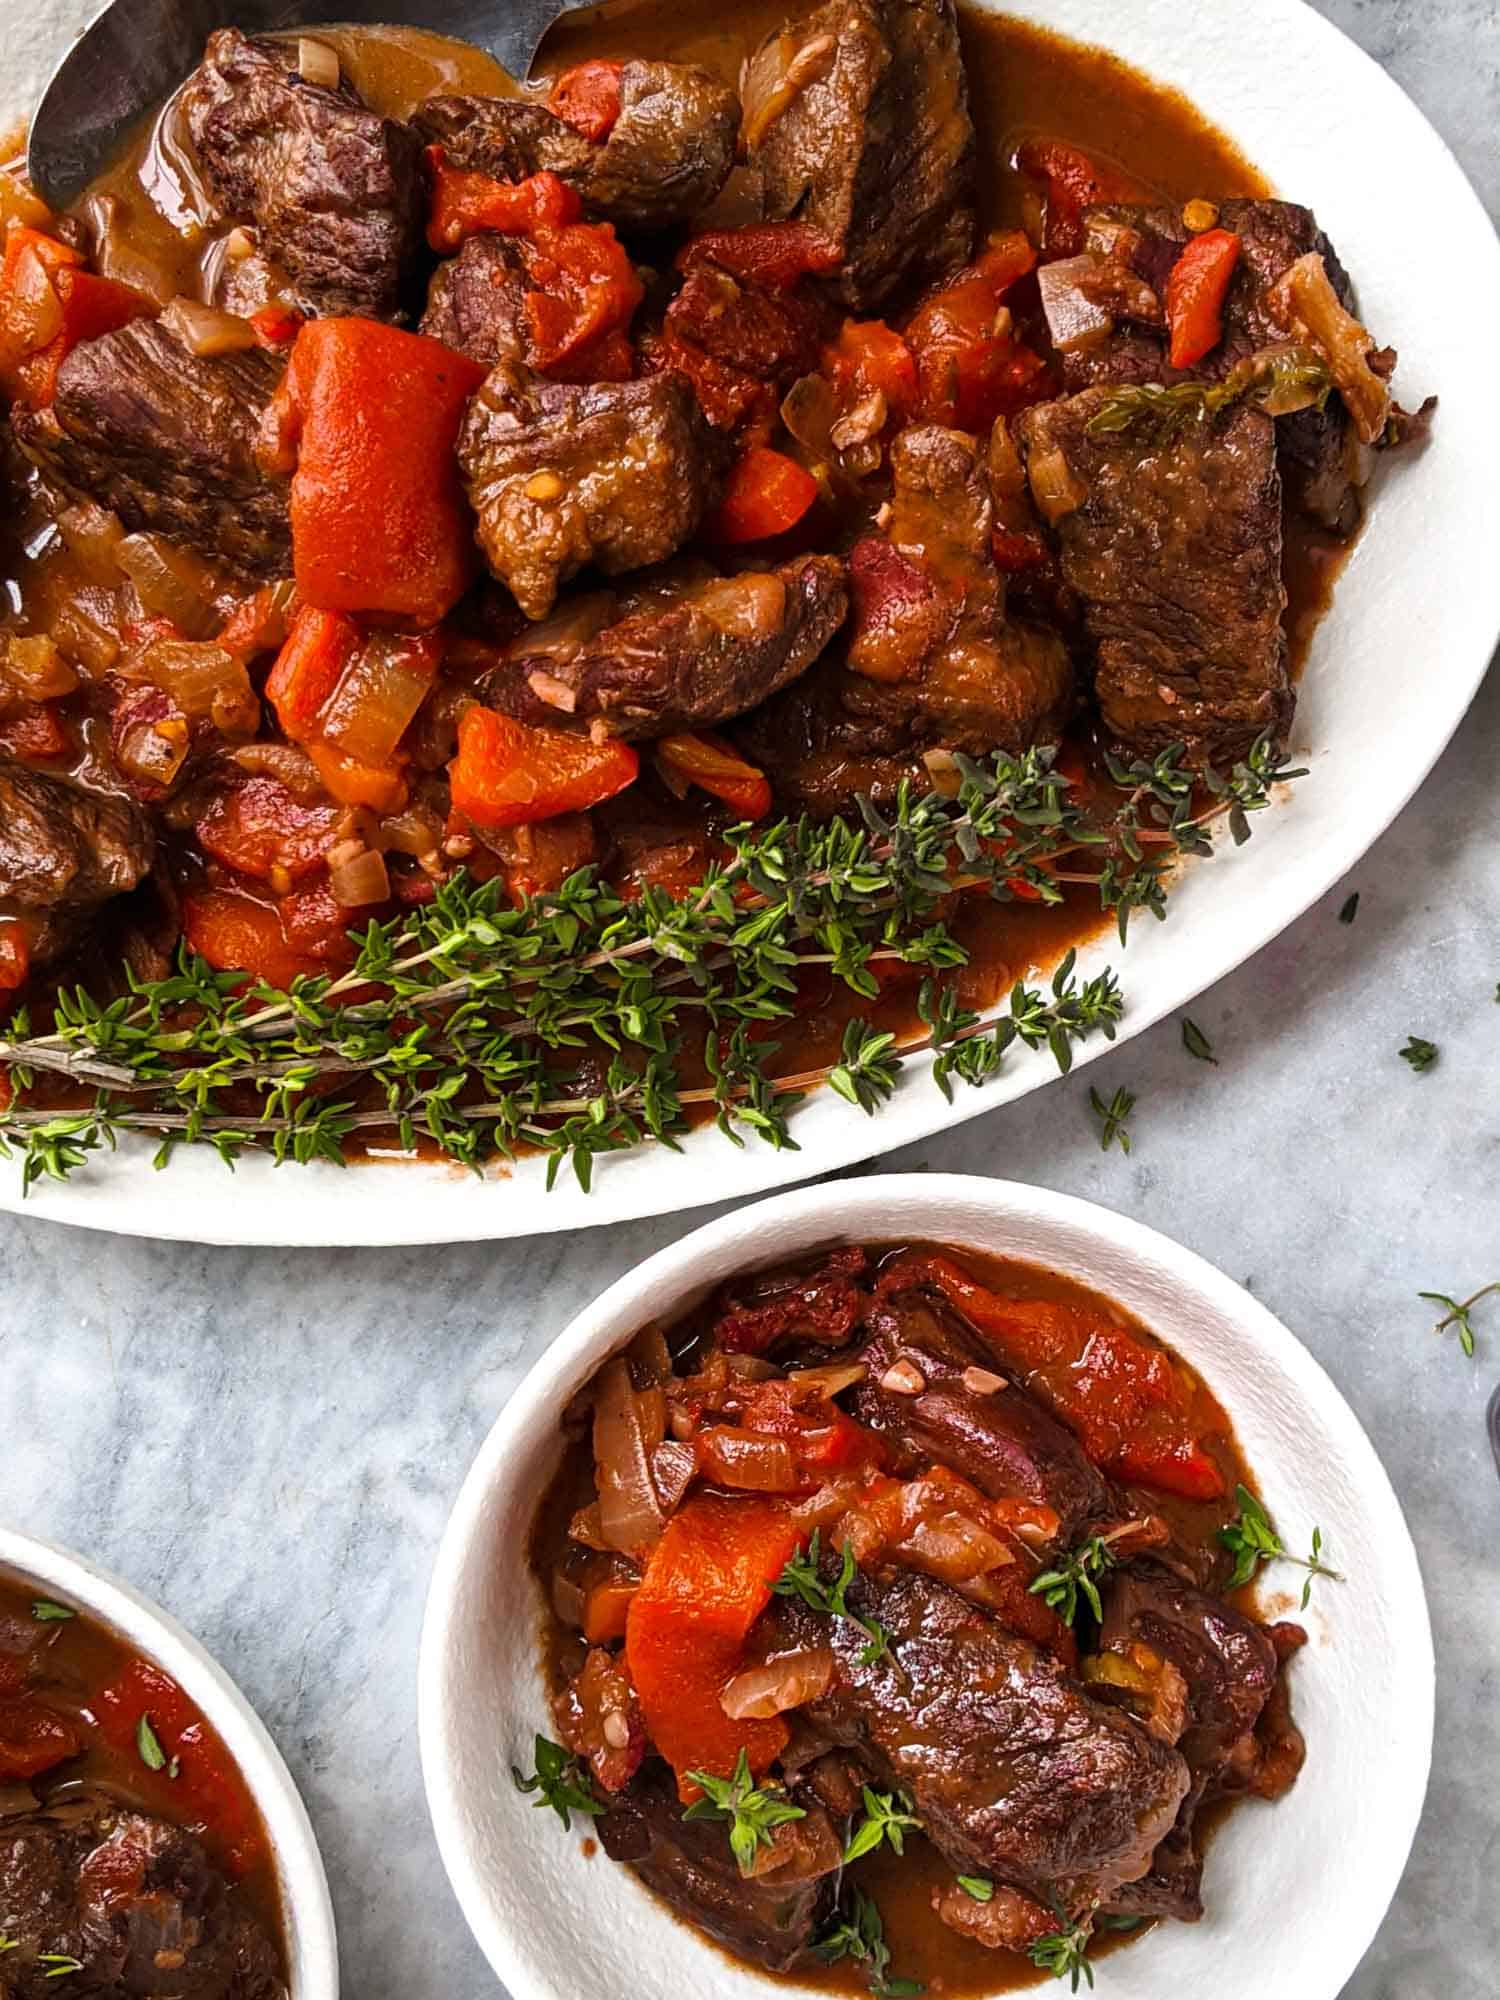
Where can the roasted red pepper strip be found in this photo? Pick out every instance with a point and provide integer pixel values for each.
(235, 933)
(717, 768)
(465, 203)
(708, 1580)
(773, 254)
(262, 830)
(767, 493)
(1134, 1414)
(365, 419)
(86, 307)
(506, 774)
(1074, 182)
(1196, 287)
(587, 97)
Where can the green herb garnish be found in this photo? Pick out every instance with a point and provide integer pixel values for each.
(1197, 1043)
(58, 1964)
(1458, 1311)
(980, 1887)
(800, 1578)
(752, 1811)
(148, 1743)
(1065, 1953)
(1349, 909)
(887, 1816)
(1112, 1117)
(45, 1612)
(8, 1943)
(1252, 1540)
(560, 1780)
(1153, 413)
(1420, 1053)
(474, 1044)
(1075, 1576)
(860, 1935)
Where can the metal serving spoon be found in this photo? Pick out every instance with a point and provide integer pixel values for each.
(137, 51)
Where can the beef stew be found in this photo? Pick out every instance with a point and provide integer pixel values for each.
(892, 1623)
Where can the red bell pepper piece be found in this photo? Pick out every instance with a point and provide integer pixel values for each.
(1016, 553)
(506, 774)
(365, 419)
(870, 355)
(1075, 182)
(235, 933)
(717, 768)
(1196, 286)
(969, 375)
(465, 202)
(587, 97)
(33, 1739)
(262, 830)
(766, 494)
(773, 254)
(308, 668)
(708, 1580)
(87, 306)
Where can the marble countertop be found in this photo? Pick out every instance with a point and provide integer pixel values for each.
(269, 1442)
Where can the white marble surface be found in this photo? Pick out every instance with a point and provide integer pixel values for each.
(268, 1442)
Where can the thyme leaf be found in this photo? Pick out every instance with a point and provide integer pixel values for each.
(1279, 380)
(752, 1811)
(1420, 1053)
(1197, 1043)
(1349, 909)
(560, 1781)
(148, 1745)
(799, 1578)
(45, 1612)
(980, 1887)
(1076, 1575)
(858, 1933)
(1458, 1311)
(887, 1816)
(1065, 1953)
(1112, 1117)
(1252, 1540)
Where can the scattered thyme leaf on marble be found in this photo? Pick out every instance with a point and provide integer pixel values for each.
(1420, 1053)
(1350, 908)
(1252, 1540)
(1458, 1311)
(1197, 1043)
(1112, 1117)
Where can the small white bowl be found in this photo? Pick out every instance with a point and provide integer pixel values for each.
(1294, 1892)
(306, 1910)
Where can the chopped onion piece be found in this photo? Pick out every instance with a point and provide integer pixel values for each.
(567, 1601)
(953, 1549)
(1073, 318)
(152, 753)
(191, 673)
(631, 1517)
(205, 329)
(382, 688)
(170, 582)
(1304, 296)
(284, 762)
(1055, 486)
(37, 669)
(85, 641)
(747, 1460)
(317, 63)
(674, 1467)
(93, 536)
(33, 311)
(361, 881)
(779, 1685)
(746, 607)
(19, 204)
(411, 832)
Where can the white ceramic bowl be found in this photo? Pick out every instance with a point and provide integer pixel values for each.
(1392, 669)
(1294, 1892)
(307, 1912)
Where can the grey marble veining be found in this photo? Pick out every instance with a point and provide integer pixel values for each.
(269, 1442)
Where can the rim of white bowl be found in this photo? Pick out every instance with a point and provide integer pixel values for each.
(306, 1906)
(851, 1209)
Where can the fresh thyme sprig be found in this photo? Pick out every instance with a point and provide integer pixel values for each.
(1280, 380)
(1458, 1313)
(887, 1817)
(858, 1933)
(560, 1781)
(1065, 1953)
(1112, 1117)
(753, 1811)
(580, 1024)
(1077, 1574)
(1419, 1052)
(1252, 1540)
(800, 1578)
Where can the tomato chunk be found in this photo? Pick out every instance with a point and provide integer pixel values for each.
(506, 774)
(33, 1739)
(465, 202)
(587, 97)
(774, 254)
(365, 420)
(1196, 286)
(968, 374)
(766, 494)
(235, 933)
(263, 830)
(870, 355)
(585, 289)
(708, 1580)
(15, 955)
(48, 304)
(1075, 181)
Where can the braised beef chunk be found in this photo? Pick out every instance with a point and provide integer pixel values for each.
(333, 190)
(691, 650)
(617, 474)
(799, 1309)
(932, 659)
(476, 301)
(1173, 549)
(857, 117)
(772, 1918)
(1017, 1772)
(64, 851)
(167, 439)
(664, 159)
(133, 1900)
(1001, 1439)
(1173, 1885)
(1323, 461)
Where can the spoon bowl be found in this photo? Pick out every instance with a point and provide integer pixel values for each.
(136, 52)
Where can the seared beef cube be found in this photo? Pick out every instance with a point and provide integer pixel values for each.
(858, 119)
(135, 1901)
(665, 158)
(693, 650)
(476, 301)
(167, 439)
(772, 1918)
(1018, 1773)
(1228, 1662)
(933, 660)
(617, 474)
(64, 851)
(1173, 1885)
(1173, 548)
(334, 190)
(1323, 461)
(1002, 1440)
